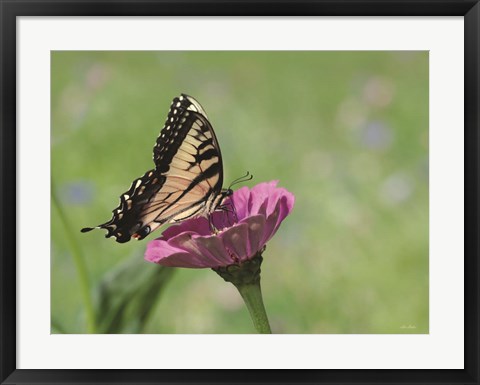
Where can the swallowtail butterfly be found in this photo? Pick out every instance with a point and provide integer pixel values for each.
(185, 183)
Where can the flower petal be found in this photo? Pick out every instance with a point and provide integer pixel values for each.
(276, 195)
(259, 195)
(198, 225)
(284, 206)
(240, 201)
(161, 252)
(235, 241)
(182, 260)
(256, 225)
(209, 252)
(214, 245)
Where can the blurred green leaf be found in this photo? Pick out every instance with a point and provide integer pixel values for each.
(79, 260)
(127, 295)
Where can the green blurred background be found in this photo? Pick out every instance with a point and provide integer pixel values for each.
(346, 132)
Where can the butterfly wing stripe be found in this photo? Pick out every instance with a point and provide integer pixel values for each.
(207, 155)
(208, 142)
(208, 173)
(181, 204)
(188, 213)
(203, 196)
(163, 207)
(162, 202)
(178, 215)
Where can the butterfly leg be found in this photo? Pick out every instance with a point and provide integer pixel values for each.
(227, 209)
(213, 229)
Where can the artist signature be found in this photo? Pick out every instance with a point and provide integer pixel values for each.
(409, 326)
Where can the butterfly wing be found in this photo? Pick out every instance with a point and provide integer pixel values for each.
(187, 149)
(127, 219)
(186, 182)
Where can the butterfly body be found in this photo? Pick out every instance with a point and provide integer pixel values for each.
(185, 183)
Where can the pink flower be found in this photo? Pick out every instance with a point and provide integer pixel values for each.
(259, 212)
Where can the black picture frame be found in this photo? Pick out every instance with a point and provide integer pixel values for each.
(10, 10)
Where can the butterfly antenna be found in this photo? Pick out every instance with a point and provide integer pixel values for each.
(243, 178)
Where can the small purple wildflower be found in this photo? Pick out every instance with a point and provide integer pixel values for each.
(241, 236)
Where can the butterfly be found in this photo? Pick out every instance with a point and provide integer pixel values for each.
(185, 183)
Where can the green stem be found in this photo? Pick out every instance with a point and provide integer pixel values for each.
(252, 295)
(80, 265)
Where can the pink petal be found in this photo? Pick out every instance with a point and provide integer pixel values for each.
(182, 260)
(256, 225)
(235, 241)
(265, 187)
(240, 200)
(277, 195)
(207, 251)
(273, 221)
(215, 246)
(198, 225)
(262, 196)
(162, 253)
(258, 195)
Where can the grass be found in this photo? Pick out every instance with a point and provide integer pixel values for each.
(346, 132)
